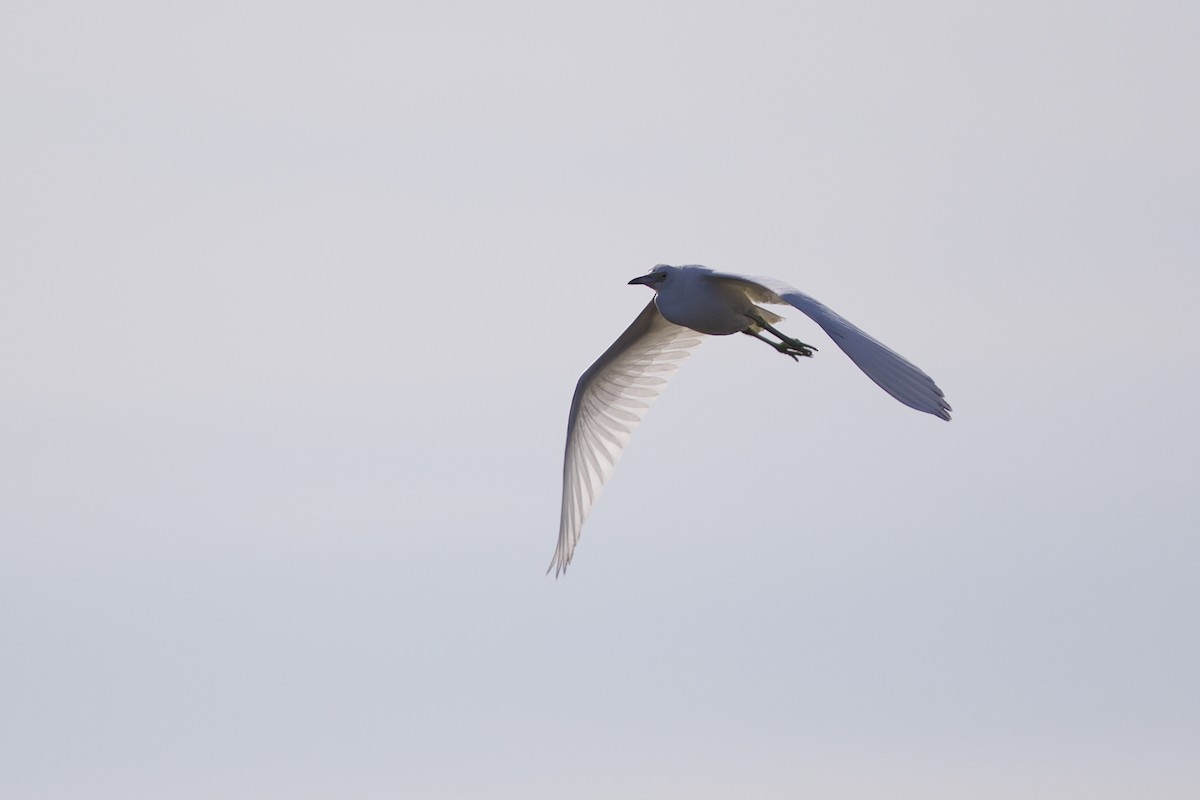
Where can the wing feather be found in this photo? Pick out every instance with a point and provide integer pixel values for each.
(611, 398)
(891, 371)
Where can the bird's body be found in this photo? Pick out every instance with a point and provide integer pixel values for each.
(614, 393)
(696, 301)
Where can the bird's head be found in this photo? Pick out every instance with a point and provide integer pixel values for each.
(655, 277)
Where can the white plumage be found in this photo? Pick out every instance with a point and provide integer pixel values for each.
(612, 396)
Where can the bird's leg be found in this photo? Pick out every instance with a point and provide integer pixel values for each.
(780, 346)
(786, 345)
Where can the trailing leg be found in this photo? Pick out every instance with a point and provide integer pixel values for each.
(782, 347)
(787, 345)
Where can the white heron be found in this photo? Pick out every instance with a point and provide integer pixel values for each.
(612, 396)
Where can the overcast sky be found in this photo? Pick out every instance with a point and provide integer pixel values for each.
(293, 298)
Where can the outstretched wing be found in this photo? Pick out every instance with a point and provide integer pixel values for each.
(895, 374)
(610, 400)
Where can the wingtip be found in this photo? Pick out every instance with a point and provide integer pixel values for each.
(558, 567)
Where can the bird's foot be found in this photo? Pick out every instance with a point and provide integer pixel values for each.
(796, 344)
(795, 349)
(787, 345)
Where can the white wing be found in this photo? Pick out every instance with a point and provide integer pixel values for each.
(895, 374)
(610, 400)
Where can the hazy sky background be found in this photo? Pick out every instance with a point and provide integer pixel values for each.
(293, 298)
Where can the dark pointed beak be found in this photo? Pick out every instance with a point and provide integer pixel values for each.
(642, 279)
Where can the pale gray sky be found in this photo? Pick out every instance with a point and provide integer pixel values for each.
(293, 298)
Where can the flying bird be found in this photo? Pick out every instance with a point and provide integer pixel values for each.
(614, 393)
